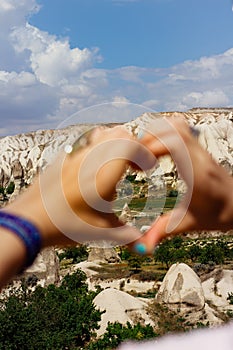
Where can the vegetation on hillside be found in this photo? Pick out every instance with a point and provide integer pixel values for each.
(56, 317)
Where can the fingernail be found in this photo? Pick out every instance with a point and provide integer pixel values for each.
(140, 134)
(140, 248)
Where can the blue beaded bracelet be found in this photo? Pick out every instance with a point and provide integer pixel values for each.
(25, 230)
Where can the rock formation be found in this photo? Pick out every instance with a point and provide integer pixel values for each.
(181, 288)
(126, 215)
(216, 288)
(120, 307)
(103, 255)
(183, 291)
(22, 156)
(45, 268)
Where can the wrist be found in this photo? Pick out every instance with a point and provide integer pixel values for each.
(25, 231)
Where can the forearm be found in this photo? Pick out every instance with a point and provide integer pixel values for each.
(12, 255)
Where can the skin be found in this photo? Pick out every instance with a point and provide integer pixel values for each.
(87, 180)
(208, 202)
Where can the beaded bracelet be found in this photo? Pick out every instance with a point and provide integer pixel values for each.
(25, 230)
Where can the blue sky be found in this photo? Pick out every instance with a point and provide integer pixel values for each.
(146, 33)
(64, 57)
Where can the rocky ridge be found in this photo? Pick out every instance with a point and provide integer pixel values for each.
(22, 156)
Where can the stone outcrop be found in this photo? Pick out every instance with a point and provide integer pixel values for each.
(216, 136)
(181, 288)
(120, 307)
(126, 215)
(45, 268)
(103, 255)
(22, 156)
(198, 301)
(217, 287)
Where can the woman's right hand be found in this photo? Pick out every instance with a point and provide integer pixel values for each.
(208, 203)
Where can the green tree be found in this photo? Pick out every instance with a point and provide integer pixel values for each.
(171, 251)
(173, 193)
(10, 188)
(194, 252)
(135, 262)
(125, 253)
(56, 317)
(212, 253)
(77, 254)
(117, 333)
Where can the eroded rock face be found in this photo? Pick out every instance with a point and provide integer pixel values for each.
(181, 288)
(216, 136)
(126, 215)
(103, 255)
(45, 268)
(119, 307)
(22, 156)
(217, 286)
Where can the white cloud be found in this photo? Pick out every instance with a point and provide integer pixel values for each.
(43, 80)
(207, 98)
(52, 60)
(41, 76)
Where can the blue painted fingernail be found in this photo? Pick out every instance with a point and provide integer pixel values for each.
(140, 248)
(140, 134)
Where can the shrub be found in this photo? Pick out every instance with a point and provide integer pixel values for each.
(194, 252)
(173, 193)
(117, 333)
(170, 251)
(76, 254)
(212, 252)
(150, 276)
(10, 188)
(49, 318)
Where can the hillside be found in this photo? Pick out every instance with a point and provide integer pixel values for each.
(23, 155)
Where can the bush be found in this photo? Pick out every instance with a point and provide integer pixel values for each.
(194, 252)
(150, 276)
(173, 193)
(117, 333)
(10, 188)
(61, 317)
(131, 178)
(76, 254)
(171, 251)
(212, 252)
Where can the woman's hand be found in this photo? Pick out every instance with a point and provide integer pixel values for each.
(72, 201)
(208, 203)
